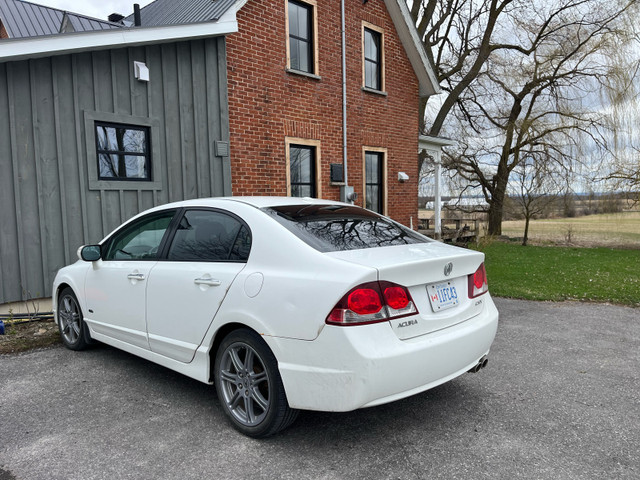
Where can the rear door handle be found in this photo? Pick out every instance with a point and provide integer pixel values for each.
(136, 276)
(207, 281)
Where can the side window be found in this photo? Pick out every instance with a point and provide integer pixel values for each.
(302, 160)
(141, 240)
(373, 57)
(374, 190)
(208, 236)
(302, 40)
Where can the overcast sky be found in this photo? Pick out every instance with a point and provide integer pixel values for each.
(94, 8)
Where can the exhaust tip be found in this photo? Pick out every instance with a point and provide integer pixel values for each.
(482, 363)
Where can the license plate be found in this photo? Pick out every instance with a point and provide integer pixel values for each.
(442, 296)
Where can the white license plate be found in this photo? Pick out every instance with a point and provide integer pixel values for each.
(442, 296)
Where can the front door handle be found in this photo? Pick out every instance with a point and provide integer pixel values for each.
(207, 281)
(136, 276)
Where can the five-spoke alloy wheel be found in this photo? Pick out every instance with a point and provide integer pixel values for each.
(249, 385)
(72, 328)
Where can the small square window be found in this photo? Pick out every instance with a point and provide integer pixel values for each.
(123, 152)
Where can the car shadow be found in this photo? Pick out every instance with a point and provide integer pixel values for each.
(448, 407)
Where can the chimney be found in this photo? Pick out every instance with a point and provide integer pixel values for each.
(136, 15)
(115, 18)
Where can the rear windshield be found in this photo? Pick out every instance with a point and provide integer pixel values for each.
(331, 228)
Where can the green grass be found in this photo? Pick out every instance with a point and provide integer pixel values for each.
(563, 273)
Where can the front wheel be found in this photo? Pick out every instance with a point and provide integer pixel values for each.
(249, 386)
(73, 330)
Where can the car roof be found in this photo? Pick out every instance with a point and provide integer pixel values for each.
(258, 202)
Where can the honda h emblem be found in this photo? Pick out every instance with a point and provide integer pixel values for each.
(447, 269)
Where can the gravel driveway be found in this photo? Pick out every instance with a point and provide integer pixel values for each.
(559, 399)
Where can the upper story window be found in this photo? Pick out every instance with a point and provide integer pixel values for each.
(373, 57)
(301, 30)
(123, 152)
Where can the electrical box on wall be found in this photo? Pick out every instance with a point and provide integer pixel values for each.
(337, 173)
(347, 194)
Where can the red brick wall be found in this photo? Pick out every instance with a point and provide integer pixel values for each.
(266, 103)
(3, 31)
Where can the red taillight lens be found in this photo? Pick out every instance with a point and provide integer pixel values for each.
(479, 277)
(478, 282)
(396, 297)
(372, 302)
(364, 301)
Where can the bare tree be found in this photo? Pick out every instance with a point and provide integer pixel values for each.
(520, 83)
(535, 188)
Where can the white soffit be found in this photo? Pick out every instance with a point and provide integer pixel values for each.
(427, 142)
(413, 46)
(47, 45)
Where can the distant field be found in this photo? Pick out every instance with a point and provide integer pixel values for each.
(618, 229)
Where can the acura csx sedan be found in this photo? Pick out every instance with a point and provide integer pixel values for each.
(284, 304)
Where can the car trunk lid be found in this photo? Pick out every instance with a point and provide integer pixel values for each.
(430, 269)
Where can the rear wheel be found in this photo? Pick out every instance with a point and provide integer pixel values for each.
(249, 385)
(73, 330)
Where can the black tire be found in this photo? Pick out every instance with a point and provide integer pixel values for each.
(73, 330)
(249, 386)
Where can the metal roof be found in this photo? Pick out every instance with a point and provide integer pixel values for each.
(174, 12)
(25, 19)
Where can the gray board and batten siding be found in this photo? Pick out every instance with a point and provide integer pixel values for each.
(50, 200)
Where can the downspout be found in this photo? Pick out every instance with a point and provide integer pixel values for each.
(346, 192)
(344, 95)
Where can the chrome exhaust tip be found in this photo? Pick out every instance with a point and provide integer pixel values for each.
(480, 365)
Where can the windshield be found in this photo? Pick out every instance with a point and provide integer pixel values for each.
(331, 228)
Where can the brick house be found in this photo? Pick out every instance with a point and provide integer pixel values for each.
(284, 70)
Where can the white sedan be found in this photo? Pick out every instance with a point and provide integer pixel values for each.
(284, 304)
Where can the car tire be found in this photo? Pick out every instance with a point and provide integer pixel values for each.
(249, 386)
(73, 330)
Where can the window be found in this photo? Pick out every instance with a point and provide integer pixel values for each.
(331, 228)
(141, 240)
(373, 57)
(303, 165)
(123, 152)
(302, 169)
(140, 150)
(301, 30)
(208, 236)
(375, 179)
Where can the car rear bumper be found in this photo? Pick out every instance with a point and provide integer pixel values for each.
(346, 368)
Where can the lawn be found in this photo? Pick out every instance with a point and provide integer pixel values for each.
(563, 273)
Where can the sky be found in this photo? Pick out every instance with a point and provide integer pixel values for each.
(94, 8)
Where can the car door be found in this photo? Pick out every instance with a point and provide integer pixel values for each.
(115, 285)
(185, 290)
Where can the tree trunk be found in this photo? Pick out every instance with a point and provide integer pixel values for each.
(495, 217)
(496, 204)
(526, 231)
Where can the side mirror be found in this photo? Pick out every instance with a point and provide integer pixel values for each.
(90, 253)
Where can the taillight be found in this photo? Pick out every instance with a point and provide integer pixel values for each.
(372, 302)
(478, 282)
